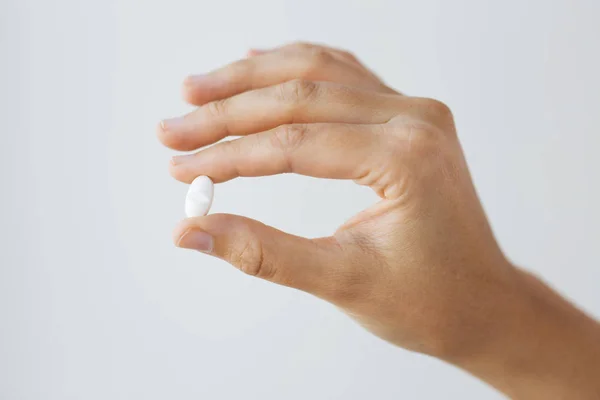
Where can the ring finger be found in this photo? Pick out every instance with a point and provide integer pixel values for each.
(273, 67)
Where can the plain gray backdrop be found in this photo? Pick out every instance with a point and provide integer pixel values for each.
(97, 303)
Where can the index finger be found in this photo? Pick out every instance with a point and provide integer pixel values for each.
(323, 150)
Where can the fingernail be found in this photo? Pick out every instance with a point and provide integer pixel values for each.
(196, 240)
(172, 124)
(176, 160)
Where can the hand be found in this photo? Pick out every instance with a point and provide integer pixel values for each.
(421, 268)
(428, 229)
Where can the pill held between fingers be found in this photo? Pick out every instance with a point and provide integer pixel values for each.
(199, 197)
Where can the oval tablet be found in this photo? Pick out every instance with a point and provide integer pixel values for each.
(199, 197)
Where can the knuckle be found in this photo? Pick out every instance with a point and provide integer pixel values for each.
(249, 258)
(349, 55)
(438, 106)
(438, 110)
(317, 60)
(289, 137)
(427, 154)
(320, 56)
(424, 129)
(229, 147)
(216, 109)
(301, 46)
(297, 91)
(422, 141)
(418, 140)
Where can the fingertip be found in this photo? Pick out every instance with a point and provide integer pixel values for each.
(161, 134)
(214, 224)
(200, 89)
(179, 170)
(191, 89)
(179, 231)
(170, 139)
(175, 134)
(184, 227)
(189, 92)
(189, 80)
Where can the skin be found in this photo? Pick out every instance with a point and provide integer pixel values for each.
(421, 268)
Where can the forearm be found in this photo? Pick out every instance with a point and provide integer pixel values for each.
(544, 349)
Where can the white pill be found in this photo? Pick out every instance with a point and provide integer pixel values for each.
(199, 197)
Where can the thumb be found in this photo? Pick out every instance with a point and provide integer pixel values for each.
(311, 265)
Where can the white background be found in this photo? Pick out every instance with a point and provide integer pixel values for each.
(95, 301)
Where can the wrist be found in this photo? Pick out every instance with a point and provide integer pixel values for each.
(540, 346)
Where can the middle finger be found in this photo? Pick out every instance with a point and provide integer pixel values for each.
(296, 101)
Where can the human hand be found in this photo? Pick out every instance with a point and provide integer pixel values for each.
(428, 229)
(421, 268)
